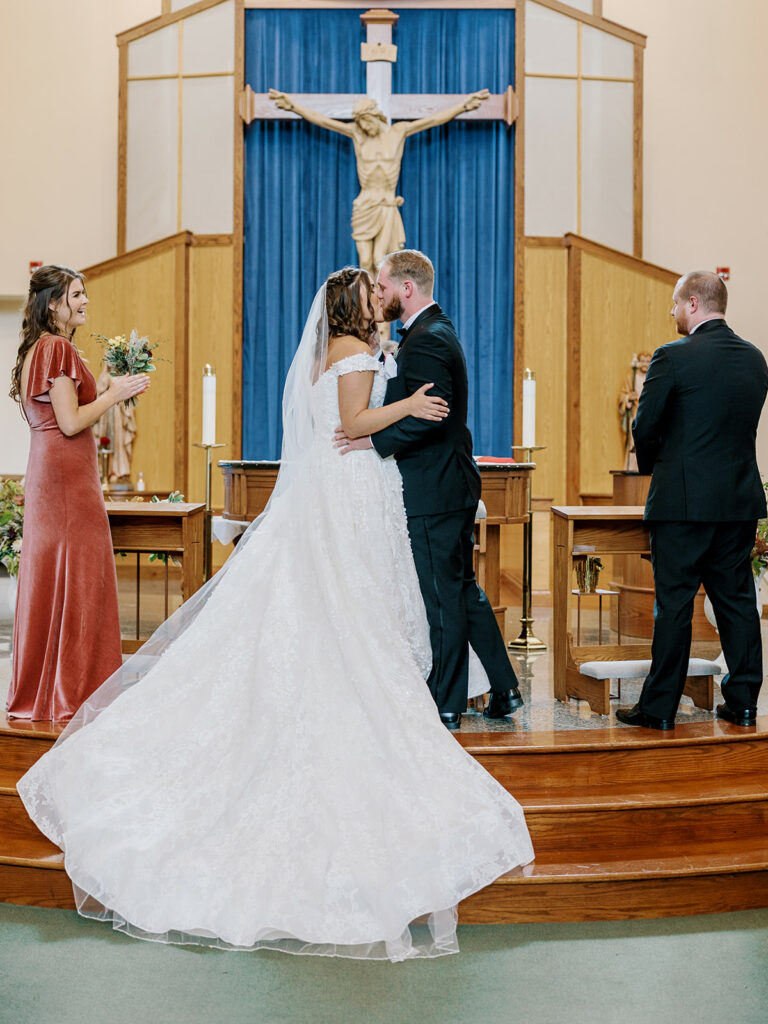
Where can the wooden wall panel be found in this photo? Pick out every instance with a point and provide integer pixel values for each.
(544, 351)
(210, 341)
(141, 294)
(623, 311)
(587, 310)
(545, 270)
(177, 291)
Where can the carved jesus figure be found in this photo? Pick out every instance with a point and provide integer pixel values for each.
(377, 226)
(628, 399)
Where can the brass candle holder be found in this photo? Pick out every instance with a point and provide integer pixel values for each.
(527, 642)
(207, 539)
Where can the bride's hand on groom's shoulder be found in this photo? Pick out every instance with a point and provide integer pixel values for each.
(344, 444)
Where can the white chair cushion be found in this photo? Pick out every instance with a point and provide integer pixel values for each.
(702, 667)
(635, 669)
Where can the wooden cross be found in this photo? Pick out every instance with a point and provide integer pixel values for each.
(379, 54)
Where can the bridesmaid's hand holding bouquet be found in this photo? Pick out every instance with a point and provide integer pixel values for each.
(127, 356)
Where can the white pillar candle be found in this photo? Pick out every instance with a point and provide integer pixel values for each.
(209, 404)
(529, 409)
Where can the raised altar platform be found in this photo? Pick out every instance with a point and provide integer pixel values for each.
(626, 823)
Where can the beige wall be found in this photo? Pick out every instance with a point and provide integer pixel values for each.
(58, 172)
(706, 147)
(58, 123)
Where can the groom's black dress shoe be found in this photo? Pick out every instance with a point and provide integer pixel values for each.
(502, 704)
(451, 719)
(634, 716)
(736, 717)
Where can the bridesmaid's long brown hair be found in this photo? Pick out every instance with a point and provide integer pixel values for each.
(47, 284)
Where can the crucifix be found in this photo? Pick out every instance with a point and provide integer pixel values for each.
(377, 226)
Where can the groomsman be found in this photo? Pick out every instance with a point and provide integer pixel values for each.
(695, 432)
(441, 489)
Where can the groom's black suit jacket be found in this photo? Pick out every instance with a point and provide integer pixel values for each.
(696, 425)
(435, 459)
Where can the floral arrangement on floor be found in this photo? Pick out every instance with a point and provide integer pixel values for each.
(759, 554)
(11, 523)
(127, 355)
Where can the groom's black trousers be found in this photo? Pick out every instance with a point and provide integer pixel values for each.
(684, 555)
(458, 611)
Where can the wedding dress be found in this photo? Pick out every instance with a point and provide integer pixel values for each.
(278, 775)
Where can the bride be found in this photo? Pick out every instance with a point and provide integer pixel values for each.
(270, 769)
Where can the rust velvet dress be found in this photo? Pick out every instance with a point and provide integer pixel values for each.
(66, 635)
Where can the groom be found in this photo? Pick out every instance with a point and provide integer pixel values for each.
(441, 489)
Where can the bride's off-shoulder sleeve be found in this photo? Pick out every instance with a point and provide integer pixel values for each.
(56, 357)
(357, 363)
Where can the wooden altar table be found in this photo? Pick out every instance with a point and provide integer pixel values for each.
(248, 485)
(173, 528)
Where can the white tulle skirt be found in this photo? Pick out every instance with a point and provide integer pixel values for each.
(279, 777)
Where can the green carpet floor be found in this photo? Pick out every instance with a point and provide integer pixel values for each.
(56, 968)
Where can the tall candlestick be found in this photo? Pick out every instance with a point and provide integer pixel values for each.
(529, 409)
(209, 404)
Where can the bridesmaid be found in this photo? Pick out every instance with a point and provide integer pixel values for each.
(66, 636)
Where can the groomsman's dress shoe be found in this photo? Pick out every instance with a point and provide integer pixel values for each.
(502, 704)
(736, 717)
(634, 716)
(451, 719)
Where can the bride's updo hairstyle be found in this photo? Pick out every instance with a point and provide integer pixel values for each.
(346, 292)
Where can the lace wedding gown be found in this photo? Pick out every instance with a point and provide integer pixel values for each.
(280, 777)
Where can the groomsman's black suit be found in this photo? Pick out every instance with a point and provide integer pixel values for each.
(441, 487)
(695, 432)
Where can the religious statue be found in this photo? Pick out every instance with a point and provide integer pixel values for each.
(628, 399)
(118, 424)
(377, 226)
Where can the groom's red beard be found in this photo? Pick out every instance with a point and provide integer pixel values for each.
(393, 309)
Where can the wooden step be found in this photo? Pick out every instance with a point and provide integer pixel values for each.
(544, 891)
(15, 823)
(32, 873)
(571, 761)
(23, 742)
(626, 795)
(658, 829)
(618, 819)
(612, 898)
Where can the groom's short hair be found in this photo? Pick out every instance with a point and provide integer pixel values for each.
(411, 265)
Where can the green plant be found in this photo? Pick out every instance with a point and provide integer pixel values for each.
(759, 554)
(11, 524)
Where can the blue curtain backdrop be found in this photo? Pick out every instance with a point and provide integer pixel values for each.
(457, 180)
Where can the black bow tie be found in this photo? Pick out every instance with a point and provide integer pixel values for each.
(402, 331)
